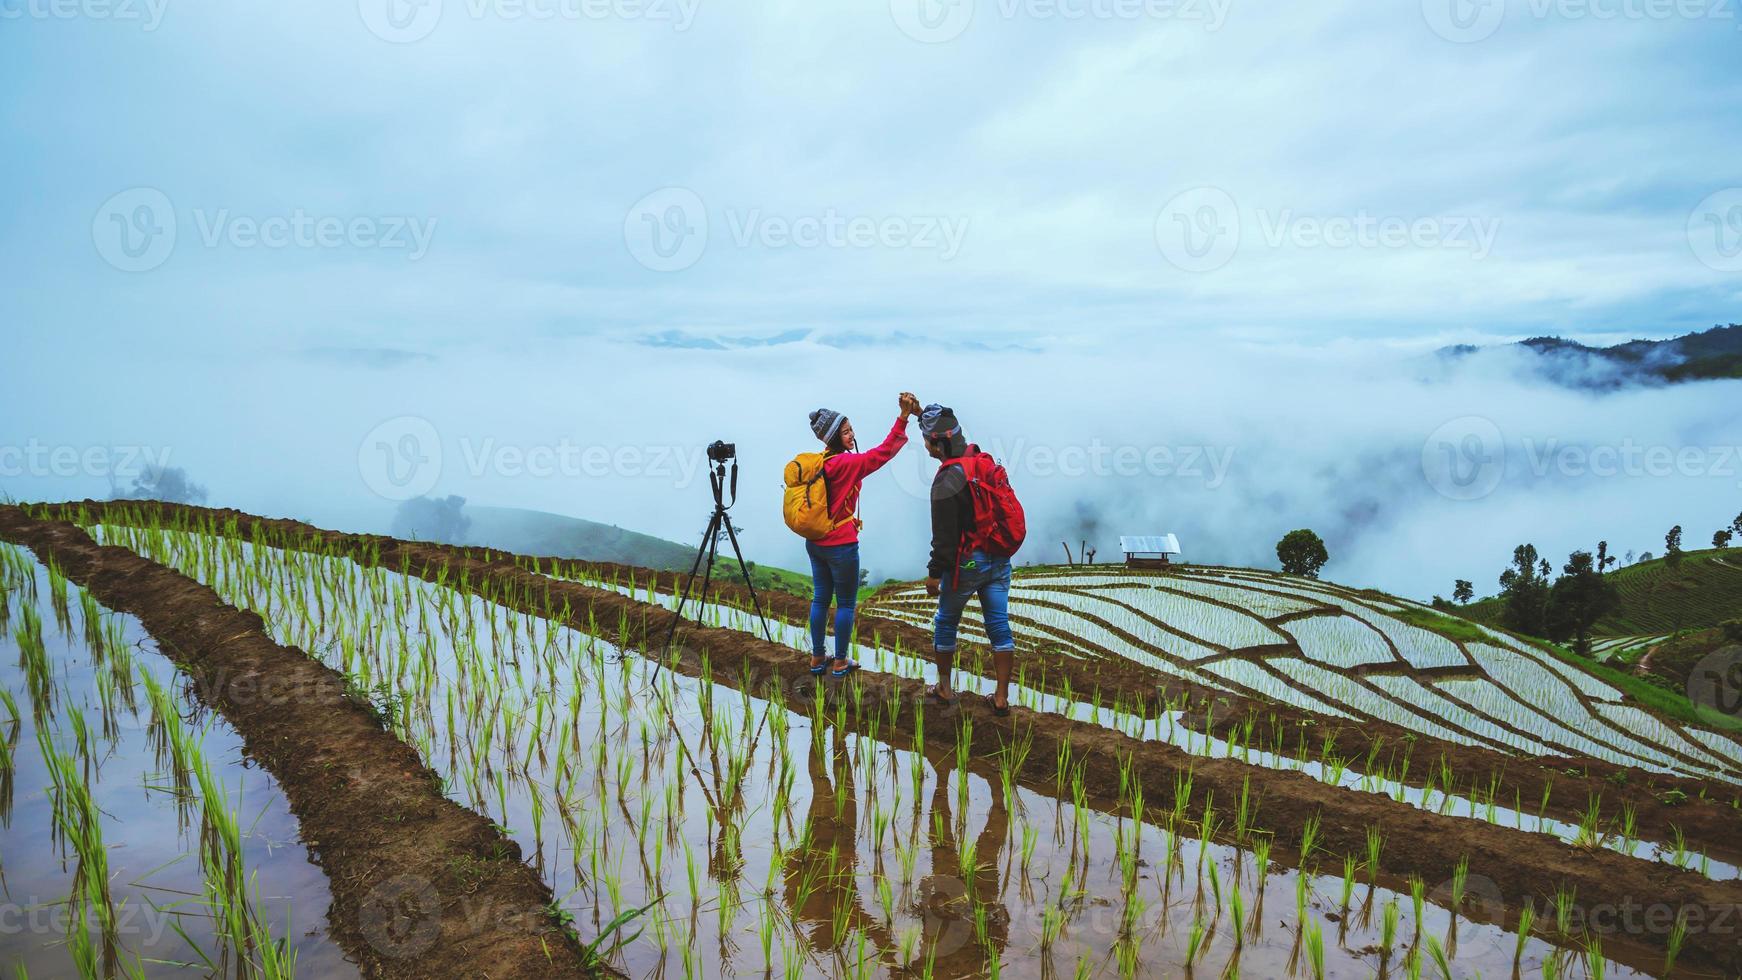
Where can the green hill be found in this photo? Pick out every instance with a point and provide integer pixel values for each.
(533, 532)
(1702, 591)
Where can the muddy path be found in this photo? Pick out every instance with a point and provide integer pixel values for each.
(1628, 902)
(421, 886)
(1661, 803)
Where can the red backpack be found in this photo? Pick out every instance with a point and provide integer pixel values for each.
(999, 524)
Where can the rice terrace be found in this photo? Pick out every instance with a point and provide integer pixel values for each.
(871, 490)
(1214, 772)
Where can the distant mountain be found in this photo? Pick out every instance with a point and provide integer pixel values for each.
(1710, 354)
(533, 532)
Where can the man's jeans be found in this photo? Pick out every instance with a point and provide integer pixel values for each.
(988, 578)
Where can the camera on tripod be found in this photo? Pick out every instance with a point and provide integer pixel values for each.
(720, 452)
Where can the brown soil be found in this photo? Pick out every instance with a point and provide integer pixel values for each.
(1627, 898)
(421, 886)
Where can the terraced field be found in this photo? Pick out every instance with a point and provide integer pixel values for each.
(1338, 652)
(1211, 771)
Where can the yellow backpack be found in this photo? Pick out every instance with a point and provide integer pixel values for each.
(806, 506)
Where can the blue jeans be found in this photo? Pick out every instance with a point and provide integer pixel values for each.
(834, 575)
(988, 578)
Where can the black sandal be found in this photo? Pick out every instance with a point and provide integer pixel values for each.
(992, 702)
(936, 697)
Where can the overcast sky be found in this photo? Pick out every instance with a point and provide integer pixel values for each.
(255, 233)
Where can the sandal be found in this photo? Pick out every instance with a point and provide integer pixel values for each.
(840, 672)
(817, 669)
(937, 697)
(992, 702)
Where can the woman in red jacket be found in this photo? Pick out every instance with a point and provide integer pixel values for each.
(835, 556)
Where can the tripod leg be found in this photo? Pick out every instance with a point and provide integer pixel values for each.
(710, 536)
(743, 570)
(713, 552)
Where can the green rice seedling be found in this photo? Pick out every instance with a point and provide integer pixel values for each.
(1315, 947)
(1309, 836)
(1678, 934)
(1375, 845)
(1417, 901)
(1460, 879)
(1526, 919)
(1388, 919)
(1595, 963)
(1195, 941)
(1237, 911)
(1563, 912)
(1348, 891)
(1437, 953)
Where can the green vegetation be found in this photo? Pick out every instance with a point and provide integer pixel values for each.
(1302, 552)
(1700, 591)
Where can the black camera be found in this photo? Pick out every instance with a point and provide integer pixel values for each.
(720, 452)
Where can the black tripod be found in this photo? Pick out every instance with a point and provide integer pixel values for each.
(719, 523)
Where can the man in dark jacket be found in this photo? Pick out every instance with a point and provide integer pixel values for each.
(954, 576)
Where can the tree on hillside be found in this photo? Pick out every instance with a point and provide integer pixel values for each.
(1631, 557)
(1578, 599)
(1646, 556)
(432, 519)
(1672, 545)
(1463, 591)
(1302, 553)
(1524, 592)
(1721, 539)
(1736, 526)
(1604, 558)
(170, 484)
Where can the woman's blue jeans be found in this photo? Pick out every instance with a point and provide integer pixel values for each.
(834, 575)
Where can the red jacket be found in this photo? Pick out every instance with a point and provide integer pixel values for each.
(844, 472)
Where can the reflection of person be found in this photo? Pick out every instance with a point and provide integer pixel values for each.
(835, 556)
(829, 865)
(958, 570)
(951, 893)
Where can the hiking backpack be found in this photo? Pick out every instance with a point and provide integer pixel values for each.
(806, 506)
(999, 524)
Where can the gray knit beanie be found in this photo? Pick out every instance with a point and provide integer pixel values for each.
(826, 423)
(938, 422)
